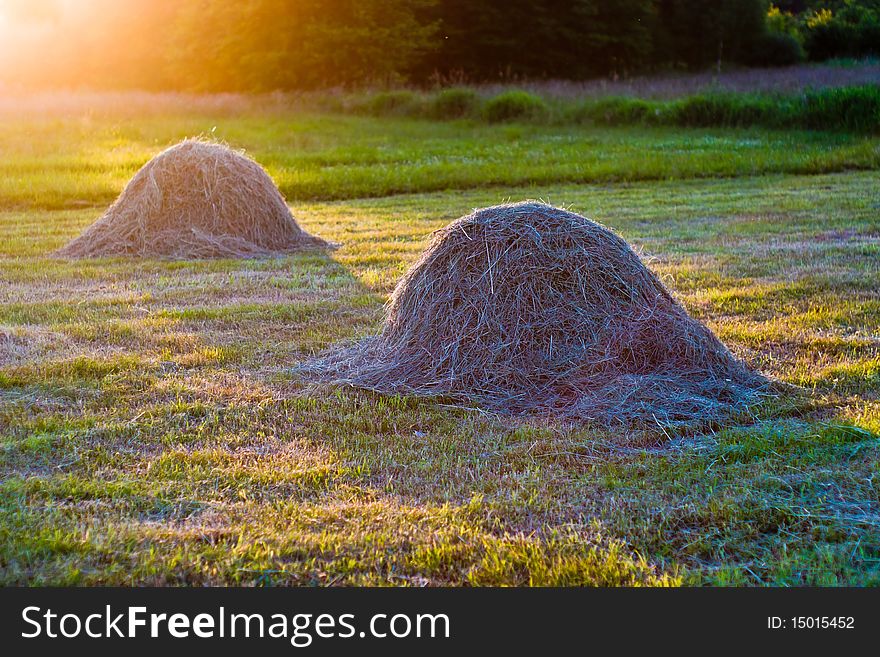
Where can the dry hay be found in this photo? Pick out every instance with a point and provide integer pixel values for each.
(527, 308)
(197, 199)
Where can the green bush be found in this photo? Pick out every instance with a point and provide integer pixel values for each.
(853, 31)
(616, 111)
(515, 106)
(392, 103)
(455, 103)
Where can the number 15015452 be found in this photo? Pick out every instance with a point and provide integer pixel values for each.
(811, 623)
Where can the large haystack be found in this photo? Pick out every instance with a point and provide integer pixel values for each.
(197, 199)
(530, 308)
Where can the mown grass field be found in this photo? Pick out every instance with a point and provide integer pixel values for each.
(154, 432)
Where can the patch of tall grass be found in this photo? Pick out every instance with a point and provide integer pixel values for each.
(455, 103)
(515, 105)
(850, 109)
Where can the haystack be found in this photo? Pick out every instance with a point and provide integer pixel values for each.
(528, 308)
(197, 199)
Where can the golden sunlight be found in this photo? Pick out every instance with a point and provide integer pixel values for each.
(73, 43)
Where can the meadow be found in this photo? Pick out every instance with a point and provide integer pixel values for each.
(154, 429)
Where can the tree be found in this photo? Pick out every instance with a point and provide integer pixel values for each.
(842, 29)
(697, 33)
(264, 45)
(486, 39)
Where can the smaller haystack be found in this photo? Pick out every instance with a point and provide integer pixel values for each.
(528, 308)
(197, 199)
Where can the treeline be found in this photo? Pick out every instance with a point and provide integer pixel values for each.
(266, 45)
(590, 38)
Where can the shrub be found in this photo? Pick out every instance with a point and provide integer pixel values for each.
(393, 103)
(455, 103)
(781, 22)
(825, 37)
(617, 111)
(854, 31)
(515, 106)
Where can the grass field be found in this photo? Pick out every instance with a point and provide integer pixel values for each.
(154, 432)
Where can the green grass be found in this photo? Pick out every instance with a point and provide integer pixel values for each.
(152, 431)
(71, 164)
(854, 109)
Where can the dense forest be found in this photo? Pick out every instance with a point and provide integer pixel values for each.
(263, 45)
